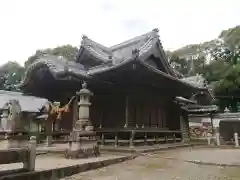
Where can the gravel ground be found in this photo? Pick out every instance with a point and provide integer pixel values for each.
(161, 166)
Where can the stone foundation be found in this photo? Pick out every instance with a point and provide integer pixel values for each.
(77, 150)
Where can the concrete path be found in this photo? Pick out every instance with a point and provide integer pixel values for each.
(225, 157)
(170, 165)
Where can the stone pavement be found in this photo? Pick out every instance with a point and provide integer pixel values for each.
(170, 165)
(52, 161)
(110, 148)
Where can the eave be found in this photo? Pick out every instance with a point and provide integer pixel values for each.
(91, 48)
(58, 68)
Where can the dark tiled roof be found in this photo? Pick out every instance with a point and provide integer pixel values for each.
(136, 49)
(57, 66)
(121, 52)
(228, 115)
(27, 103)
(184, 100)
(97, 50)
(201, 109)
(142, 43)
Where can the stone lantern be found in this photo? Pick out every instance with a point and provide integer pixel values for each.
(83, 123)
(82, 145)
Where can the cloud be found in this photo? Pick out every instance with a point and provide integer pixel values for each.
(28, 25)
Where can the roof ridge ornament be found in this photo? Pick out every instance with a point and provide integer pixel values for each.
(84, 85)
(84, 36)
(155, 30)
(135, 53)
(110, 57)
(40, 53)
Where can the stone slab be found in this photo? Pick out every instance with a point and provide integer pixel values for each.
(145, 149)
(56, 166)
(60, 148)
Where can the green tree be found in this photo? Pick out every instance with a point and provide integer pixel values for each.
(231, 36)
(180, 64)
(66, 51)
(225, 70)
(11, 74)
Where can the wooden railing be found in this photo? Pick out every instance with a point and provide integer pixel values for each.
(26, 155)
(138, 136)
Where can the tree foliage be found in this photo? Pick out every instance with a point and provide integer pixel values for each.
(219, 62)
(225, 71)
(11, 74)
(66, 51)
(231, 36)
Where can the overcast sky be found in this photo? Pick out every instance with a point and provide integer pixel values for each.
(28, 25)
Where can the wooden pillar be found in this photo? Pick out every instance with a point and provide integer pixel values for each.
(184, 126)
(116, 140)
(73, 135)
(156, 139)
(166, 138)
(101, 120)
(145, 138)
(49, 130)
(174, 137)
(102, 139)
(56, 126)
(75, 112)
(211, 118)
(131, 142)
(126, 111)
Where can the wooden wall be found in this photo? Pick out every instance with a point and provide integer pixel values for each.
(108, 110)
(144, 109)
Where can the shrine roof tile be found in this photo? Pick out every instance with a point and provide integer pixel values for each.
(27, 103)
(121, 52)
(135, 49)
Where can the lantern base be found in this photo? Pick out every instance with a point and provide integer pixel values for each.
(77, 150)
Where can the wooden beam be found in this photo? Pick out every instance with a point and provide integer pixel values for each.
(126, 111)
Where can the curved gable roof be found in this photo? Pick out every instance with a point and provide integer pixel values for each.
(139, 49)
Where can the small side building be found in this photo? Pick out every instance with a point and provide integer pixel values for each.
(30, 108)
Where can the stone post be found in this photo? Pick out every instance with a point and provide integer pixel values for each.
(29, 163)
(209, 140)
(4, 120)
(236, 139)
(218, 138)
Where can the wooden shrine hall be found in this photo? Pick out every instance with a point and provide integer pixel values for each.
(134, 89)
